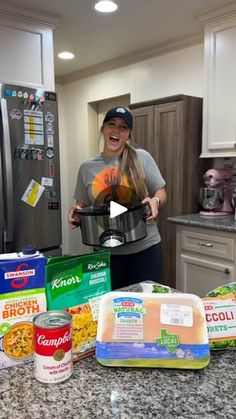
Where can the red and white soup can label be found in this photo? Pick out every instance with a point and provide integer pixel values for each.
(53, 362)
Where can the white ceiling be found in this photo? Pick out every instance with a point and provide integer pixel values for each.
(103, 39)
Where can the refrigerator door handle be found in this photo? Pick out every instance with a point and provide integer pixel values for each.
(7, 160)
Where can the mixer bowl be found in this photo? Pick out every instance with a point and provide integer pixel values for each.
(210, 198)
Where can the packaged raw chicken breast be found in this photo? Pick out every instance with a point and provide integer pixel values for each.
(152, 330)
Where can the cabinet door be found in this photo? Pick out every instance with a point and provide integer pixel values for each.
(143, 128)
(199, 276)
(169, 154)
(169, 151)
(26, 54)
(219, 128)
(159, 130)
(171, 131)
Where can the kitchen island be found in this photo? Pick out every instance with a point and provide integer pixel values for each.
(95, 391)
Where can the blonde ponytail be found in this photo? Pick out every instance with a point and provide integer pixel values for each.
(130, 167)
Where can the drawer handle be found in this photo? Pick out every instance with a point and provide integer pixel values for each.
(205, 244)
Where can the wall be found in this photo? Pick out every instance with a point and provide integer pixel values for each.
(173, 73)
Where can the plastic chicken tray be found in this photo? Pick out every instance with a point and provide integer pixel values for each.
(152, 330)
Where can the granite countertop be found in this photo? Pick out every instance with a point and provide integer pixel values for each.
(95, 391)
(223, 223)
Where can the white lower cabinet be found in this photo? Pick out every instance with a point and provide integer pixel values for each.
(205, 259)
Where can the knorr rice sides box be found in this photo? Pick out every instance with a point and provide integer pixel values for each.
(76, 284)
(22, 296)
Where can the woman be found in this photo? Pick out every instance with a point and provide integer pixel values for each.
(124, 174)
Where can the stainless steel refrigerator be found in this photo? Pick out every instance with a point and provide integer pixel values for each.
(30, 204)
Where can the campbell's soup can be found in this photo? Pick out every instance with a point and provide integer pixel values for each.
(53, 362)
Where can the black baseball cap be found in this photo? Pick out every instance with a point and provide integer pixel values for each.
(120, 112)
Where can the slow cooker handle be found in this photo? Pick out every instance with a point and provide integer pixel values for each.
(146, 211)
(76, 223)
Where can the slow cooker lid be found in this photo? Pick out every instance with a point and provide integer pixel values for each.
(105, 209)
(95, 210)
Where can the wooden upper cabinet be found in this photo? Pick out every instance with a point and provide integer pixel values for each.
(143, 128)
(167, 124)
(170, 129)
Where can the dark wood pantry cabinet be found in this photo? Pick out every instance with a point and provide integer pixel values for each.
(171, 130)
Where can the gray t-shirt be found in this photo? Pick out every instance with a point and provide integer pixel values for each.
(98, 173)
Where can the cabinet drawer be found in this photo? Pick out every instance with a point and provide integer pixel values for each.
(199, 275)
(208, 244)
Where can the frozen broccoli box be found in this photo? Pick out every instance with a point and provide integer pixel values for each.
(152, 330)
(220, 308)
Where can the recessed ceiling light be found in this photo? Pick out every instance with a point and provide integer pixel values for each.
(105, 6)
(66, 55)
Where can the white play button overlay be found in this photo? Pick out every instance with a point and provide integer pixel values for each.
(116, 209)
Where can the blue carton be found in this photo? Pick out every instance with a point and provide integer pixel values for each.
(22, 296)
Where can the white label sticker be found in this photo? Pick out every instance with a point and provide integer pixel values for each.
(16, 114)
(32, 193)
(46, 181)
(94, 304)
(36, 139)
(49, 117)
(177, 315)
(50, 141)
(33, 127)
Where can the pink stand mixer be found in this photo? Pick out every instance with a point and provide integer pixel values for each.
(214, 197)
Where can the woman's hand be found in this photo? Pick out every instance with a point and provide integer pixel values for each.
(158, 199)
(153, 205)
(73, 217)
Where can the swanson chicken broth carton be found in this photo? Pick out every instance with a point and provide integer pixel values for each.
(22, 296)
